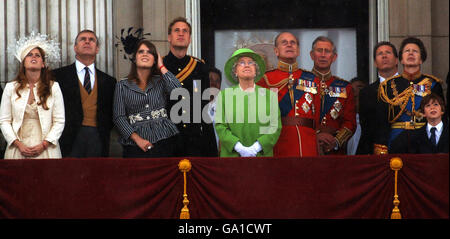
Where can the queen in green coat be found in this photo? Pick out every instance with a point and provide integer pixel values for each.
(247, 117)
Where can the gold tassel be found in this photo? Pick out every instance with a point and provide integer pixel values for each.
(185, 166)
(396, 165)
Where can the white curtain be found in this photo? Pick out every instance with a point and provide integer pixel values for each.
(345, 66)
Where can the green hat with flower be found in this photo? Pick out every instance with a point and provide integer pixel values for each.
(242, 53)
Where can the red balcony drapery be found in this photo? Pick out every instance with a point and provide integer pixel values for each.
(322, 187)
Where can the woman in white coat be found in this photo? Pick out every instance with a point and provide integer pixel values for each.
(32, 107)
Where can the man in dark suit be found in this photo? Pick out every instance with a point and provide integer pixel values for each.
(88, 100)
(431, 138)
(386, 62)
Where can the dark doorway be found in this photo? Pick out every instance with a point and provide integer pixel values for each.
(286, 14)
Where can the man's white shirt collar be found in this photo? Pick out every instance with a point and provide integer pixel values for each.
(439, 128)
(80, 66)
(81, 74)
(383, 79)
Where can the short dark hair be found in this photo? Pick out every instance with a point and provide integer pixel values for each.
(325, 39)
(428, 98)
(278, 36)
(217, 71)
(179, 19)
(418, 42)
(355, 79)
(90, 31)
(384, 43)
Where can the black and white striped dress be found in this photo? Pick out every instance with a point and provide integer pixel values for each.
(144, 112)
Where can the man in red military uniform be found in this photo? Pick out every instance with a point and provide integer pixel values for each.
(299, 100)
(337, 109)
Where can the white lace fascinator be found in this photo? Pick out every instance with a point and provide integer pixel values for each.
(27, 43)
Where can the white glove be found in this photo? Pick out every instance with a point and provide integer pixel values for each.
(255, 148)
(251, 151)
(242, 150)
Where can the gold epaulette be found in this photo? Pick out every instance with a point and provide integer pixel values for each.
(432, 77)
(304, 70)
(198, 59)
(382, 88)
(338, 78)
(389, 78)
(343, 135)
(379, 149)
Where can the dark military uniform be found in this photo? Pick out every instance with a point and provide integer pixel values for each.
(400, 98)
(337, 111)
(197, 137)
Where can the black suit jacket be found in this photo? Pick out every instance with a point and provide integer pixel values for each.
(68, 82)
(368, 100)
(417, 142)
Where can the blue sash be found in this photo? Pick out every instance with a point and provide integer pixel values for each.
(329, 101)
(285, 102)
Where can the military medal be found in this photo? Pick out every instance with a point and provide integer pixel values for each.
(420, 90)
(300, 85)
(308, 98)
(305, 107)
(338, 105)
(313, 88)
(334, 114)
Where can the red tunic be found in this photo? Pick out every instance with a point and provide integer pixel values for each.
(295, 140)
(337, 112)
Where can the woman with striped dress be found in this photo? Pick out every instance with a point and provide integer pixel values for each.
(140, 106)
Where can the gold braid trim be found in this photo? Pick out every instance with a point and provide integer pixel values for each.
(433, 77)
(343, 135)
(182, 75)
(379, 149)
(280, 85)
(400, 100)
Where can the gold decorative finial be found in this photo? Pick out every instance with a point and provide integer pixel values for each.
(396, 164)
(185, 166)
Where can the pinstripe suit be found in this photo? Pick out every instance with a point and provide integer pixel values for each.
(144, 112)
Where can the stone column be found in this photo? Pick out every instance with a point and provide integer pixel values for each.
(439, 39)
(159, 13)
(427, 20)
